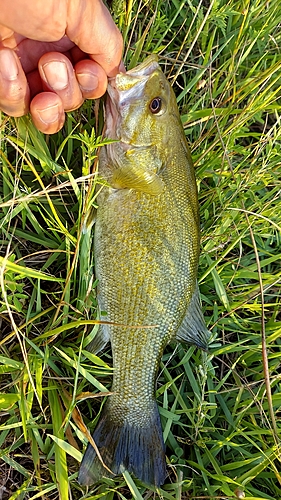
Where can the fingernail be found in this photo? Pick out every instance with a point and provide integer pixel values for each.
(56, 74)
(8, 65)
(49, 115)
(88, 81)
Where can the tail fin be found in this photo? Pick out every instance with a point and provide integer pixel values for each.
(126, 446)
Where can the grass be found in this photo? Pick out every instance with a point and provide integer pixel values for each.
(220, 411)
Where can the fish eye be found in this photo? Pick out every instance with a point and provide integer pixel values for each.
(155, 105)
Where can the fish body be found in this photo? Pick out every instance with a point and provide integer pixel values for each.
(146, 254)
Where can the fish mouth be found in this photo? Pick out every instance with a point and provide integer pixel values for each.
(125, 81)
(120, 91)
(123, 85)
(146, 67)
(114, 127)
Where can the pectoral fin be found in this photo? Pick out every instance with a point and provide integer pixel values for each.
(193, 329)
(138, 179)
(135, 173)
(100, 340)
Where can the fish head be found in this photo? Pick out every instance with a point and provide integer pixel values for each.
(142, 115)
(139, 104)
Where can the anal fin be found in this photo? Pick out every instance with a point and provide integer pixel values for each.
(193, 329)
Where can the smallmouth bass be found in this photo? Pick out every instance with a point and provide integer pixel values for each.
(146, 258)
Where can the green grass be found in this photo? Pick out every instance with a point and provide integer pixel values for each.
(220, 411)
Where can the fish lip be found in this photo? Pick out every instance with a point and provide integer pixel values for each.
(123, 85)
(144, 69)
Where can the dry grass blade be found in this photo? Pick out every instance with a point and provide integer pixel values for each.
(78, 419)
(263, 340)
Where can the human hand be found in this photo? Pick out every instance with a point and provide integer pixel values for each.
(53, 55)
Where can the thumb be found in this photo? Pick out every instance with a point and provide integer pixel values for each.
(91, 27)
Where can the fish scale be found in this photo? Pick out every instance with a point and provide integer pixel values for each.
(146, 258)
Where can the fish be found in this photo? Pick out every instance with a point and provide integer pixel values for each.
(146, 248)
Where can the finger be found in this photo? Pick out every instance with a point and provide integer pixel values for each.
(37, 20)
(58, 76)
(91, 27)
(30, 51)
(92, 79)
(14, 90)
(47, 112)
